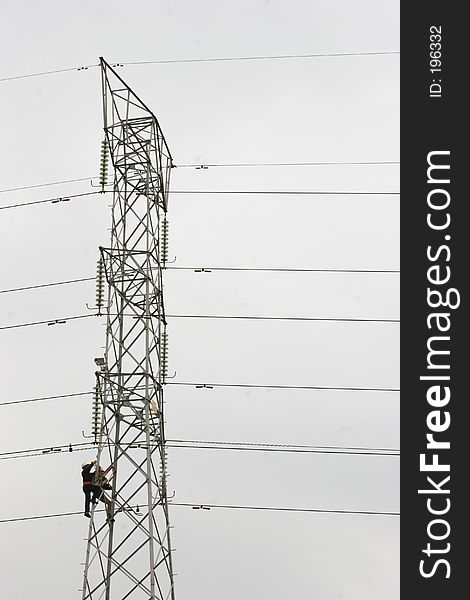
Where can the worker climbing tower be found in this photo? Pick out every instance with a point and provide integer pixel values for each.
(128, 555)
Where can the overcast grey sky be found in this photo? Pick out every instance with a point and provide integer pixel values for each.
(299, 110)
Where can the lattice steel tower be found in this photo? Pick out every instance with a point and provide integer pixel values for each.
(130, 557)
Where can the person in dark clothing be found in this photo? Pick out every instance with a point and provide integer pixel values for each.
(102, 480)
(92, 488)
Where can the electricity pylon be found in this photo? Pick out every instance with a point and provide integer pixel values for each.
(128, 555)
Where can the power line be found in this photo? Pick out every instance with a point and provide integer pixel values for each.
(64, 198)
(210, 269)
(219, 385)
(37, 517)
(392, 451)
(38, 185)
(40, 73)
(63, 320)
(239, 447)
(45, 285)
(194, 505)
(206, 60)
(286, 192)
(41, 399)
(218, 192)
(46, 451)
(216, 165)
(288, 509)
(278, 270)
(281, 387)
(214, 445)
(60, 321)
(271, 318)
(288, 164)
(54, 450)
(264, 57)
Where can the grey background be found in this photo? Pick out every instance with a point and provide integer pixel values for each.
(319, 109)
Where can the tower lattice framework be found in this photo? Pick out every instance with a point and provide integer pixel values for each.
(130, 557)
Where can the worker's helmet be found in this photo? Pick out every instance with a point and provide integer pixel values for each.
(85, 464)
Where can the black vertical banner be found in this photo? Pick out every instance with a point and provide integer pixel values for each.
(435, 252)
